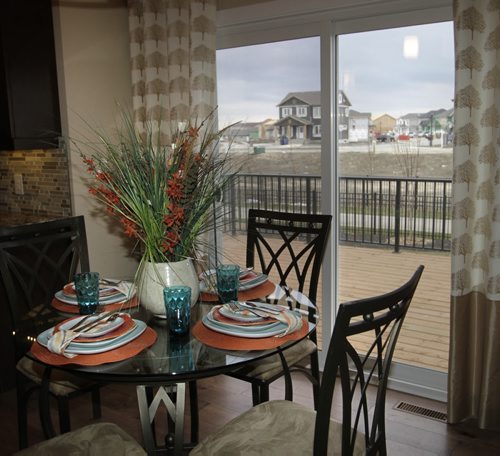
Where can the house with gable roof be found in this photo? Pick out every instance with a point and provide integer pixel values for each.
(300, 116)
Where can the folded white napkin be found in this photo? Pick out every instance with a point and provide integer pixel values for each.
(60, 340)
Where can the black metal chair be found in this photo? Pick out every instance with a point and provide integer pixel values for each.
(291, 247)
(36, 260)
(284, 427)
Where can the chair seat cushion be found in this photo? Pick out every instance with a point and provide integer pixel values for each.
(61, 383)
(92, 440)
(272, 428)
(267, 368)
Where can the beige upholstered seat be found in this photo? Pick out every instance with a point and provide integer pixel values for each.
(101, 439)
(61, 383)
(268, 367)
(273, 428)
(285, 428)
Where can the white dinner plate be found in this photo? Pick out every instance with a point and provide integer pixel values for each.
(251, 328)
(90, 348)
(99, 330)
(241, 331)
(245, 283)
(107, 300)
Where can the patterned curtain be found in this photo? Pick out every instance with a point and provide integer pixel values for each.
(172, 47)
(474, 374)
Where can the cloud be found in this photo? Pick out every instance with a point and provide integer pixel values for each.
(376, 77)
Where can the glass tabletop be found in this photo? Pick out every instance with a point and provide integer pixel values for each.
(170, 359)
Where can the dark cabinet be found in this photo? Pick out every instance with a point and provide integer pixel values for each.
(29, 102)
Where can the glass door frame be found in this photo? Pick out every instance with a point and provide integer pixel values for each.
(282, 21)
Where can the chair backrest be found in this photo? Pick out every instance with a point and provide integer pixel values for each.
(382, 317)
(36, 260)
(288, 245)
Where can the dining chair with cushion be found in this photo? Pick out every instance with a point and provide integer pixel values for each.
(95, 439)
(36, 260)
(360, 353)
(289, 248)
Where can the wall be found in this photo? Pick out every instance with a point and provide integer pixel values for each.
(45, 183)
(92, 53)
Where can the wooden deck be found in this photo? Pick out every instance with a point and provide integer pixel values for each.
(366, 271)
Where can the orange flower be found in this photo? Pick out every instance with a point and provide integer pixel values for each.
(175, 187)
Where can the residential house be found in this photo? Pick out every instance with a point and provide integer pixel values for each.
(359, 126)
(383, 124)
(300, 116)
(408, 123)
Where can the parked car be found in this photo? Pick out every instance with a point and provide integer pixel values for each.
(385, 137)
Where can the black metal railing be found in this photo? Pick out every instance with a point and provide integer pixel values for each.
(396, 212)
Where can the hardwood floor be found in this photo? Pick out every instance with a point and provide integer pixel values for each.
(222, 398)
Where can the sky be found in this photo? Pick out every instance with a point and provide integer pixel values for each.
(374, 73)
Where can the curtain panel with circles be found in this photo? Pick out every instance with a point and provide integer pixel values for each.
(172, 47)
(474, 372)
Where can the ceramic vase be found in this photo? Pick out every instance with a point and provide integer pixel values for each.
(156, 276)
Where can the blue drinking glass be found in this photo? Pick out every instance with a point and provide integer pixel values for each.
(228, 280)
(87, 292)
(178, 308)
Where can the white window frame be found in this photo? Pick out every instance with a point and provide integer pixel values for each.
(301, 111)
(316, 131)
(286, 111)
(316, 112)
(283, 20)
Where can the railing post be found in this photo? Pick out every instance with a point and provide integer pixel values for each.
(397, 216)
(232, 199)
(308, 196)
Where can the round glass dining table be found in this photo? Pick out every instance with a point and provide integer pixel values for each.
(165, 367)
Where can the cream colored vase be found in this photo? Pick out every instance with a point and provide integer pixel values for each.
(157, 276)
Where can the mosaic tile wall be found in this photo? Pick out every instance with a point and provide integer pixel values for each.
(45, 182)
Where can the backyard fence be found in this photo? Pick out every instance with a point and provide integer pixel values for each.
(396, 212)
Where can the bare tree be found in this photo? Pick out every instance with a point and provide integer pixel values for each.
(464, 209)
(467, 136)
(493, 5)
(408, 157)
(179, 5)
(140, 114)
(495, 249)
(466, 172)
(159, 114)
(471, 19)
(202, 110)
(469, 59)
(468, 97)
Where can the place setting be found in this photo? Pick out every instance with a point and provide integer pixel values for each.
(251, 284)
(112, 294)
(102, 332)
(243, 324)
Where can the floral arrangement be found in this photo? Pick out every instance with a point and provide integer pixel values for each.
(163, 195)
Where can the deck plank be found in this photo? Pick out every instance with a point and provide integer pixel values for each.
(368, 271)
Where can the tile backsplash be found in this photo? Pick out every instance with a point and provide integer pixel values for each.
(35, 182)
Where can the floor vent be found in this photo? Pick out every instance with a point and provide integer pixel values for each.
(422, 411)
